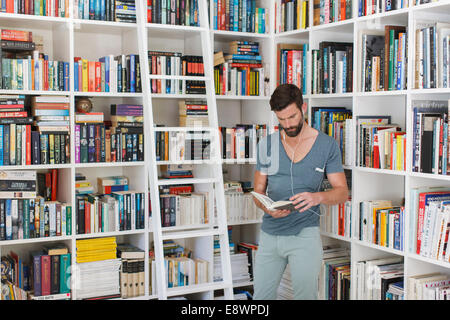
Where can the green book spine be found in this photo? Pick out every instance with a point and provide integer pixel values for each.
(18, 144)
(51, 147)
(64, 283)
(391, 59)
(68, 220)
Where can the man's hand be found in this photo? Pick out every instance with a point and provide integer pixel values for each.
(305, 200)
(277, 213)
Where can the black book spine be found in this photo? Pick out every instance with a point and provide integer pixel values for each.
(80, 214)
(54, 283)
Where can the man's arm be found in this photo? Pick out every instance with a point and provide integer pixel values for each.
(260, 186)
(338, 194)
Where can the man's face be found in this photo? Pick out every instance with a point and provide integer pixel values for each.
(290, 119)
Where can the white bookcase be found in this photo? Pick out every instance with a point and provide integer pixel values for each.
(66, 38)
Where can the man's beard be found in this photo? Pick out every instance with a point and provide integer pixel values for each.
(293, 131)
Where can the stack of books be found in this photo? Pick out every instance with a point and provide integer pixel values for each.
(179, 210)
(292, 64)
(395, 291)
(98, 269)
(384, 59)
(291, 15)
(431, 286)
(366, 8)
(241, 16)
(108, 185)
(239, 268)
(430, 222)
(132, 275)
(241, 71)
(250, 249)
(25, 68)
(176, 64)
(431, 68)
(182, 13)
(382, 223)
(331, 11)
(82, 185)
(36, 9)
(193, 113)
(382, 145)
(176, 171)
(373, 277)
(108, 10)
(51, 142)
(334, 276)
(332, 68)
(109, 74)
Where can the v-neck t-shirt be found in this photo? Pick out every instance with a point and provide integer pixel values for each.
(308, 173)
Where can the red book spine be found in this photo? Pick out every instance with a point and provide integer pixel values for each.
(9, 7)
(13, 114)
(87, 217)
(45, 275)
(420, 214)
(289, 66)
(15, 35)
(54, 183)
(45, 74)
(100, 225)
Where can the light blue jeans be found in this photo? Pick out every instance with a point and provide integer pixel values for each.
(304, 254)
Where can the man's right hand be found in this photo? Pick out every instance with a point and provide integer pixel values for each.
(277, 213)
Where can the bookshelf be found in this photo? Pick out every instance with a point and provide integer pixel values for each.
(66, 38)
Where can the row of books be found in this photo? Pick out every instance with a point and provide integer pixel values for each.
(336, 122)
(34, 218)
(36, 72)
(381, 144)
(105, 10)
(382, 223)
(108, 74)
(239, 267)
(239, 15)
(430, 223)
(431, 286)
(240, 142)
(239, 203)
(373, 277)
(95, 143)
(179, 210)
(337, 219)
(384, 59)
(291, 15)
(180, 12)
(183, 145)
(328, 11)
(176, 64)
(431, 53)
(52, 8)
(118, 211)
(430, 137)
(240, 81)
(292, 62)
(45, 272)
(132, 271)
(366, 7)
(332, 68)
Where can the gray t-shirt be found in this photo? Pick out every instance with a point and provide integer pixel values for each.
(272, 160)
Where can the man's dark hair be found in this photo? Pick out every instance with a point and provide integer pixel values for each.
(284, 95)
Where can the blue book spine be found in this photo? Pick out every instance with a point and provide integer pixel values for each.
(132, 73)
(397, 231)
(75, 76)
(107, 76)
(344, 71)
(37, 274)
(8, 221)
(30, 67)
(305, 66)
(91, 10)
(64, 284)
(444, 149)
(263, 20)
(102, 10)
(1, 145)
(215, 15)
(97, 9)
(236, 15)
(360, 11)
(48, 112)
(81, 10)
(66, 76)
(244, 15)
(119, 77)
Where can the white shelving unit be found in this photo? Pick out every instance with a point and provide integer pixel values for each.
(66, 38)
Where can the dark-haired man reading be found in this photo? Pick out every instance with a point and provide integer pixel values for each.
(291, 165)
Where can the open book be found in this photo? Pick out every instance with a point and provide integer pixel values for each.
(274, 205)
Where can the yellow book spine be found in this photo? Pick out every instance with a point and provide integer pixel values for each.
(304, 10)
(84, 72)
(299, 8)
(383, 229)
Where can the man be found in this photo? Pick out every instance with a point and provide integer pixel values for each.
(291, 165)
